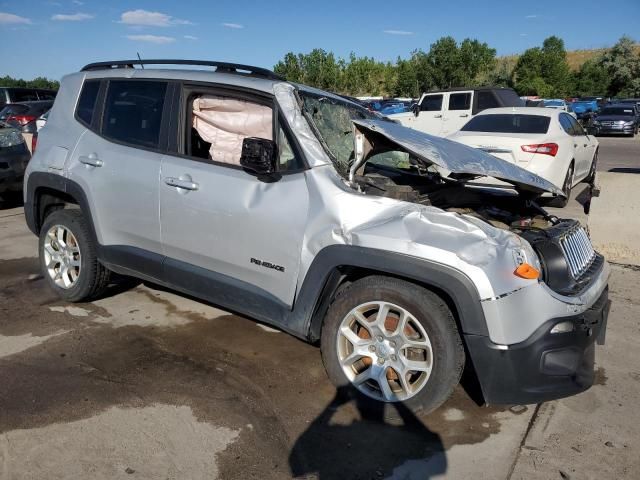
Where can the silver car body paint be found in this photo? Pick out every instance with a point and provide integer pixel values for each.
(318, 209)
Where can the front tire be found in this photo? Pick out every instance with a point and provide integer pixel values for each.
(68, 257)
(388, 340)
(592, 171)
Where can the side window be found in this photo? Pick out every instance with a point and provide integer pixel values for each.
(87, 101)
(576, 128)
(133, 112)
(287, 159)
(486, 100)
(565, 123)
(217, 126)
(431, 103)
(460, 101)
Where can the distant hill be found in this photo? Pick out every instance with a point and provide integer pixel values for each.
(575, 58)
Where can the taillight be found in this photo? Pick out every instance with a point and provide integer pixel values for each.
(543, 148)
(34, 142)
(21, 119)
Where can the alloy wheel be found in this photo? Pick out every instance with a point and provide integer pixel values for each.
(384, 351)
(62, 256)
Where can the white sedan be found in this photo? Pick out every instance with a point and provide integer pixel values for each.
(545, 141)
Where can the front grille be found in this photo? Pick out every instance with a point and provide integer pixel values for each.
(578, 251)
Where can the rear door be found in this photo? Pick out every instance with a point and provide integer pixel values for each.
(429, 119)
(117, 163)
(579, 143)
(457, 113)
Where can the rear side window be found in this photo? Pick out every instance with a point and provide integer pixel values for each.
(133, 112)
(507, 123)
(431, 103)
(460, 101)
(87, 101)
(487, 100)
(509, 98)
(45, 95)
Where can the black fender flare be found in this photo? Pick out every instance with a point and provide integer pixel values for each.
(58, 183)
(322, 277)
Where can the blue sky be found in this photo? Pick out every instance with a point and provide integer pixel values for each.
(54, 37)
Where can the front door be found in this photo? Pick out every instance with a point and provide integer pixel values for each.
(429, 119)
(217, 220)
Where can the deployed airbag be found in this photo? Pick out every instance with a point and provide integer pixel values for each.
(226, 122)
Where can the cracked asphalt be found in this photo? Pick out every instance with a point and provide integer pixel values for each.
(148, 384)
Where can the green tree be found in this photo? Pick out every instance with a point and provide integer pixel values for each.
(591, 79)
(39, 82)
(476, 59)
(623, 66)
(543, 71)
(445, 63)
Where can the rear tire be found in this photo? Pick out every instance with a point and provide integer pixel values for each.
(560, 202)
(68, 257)
(427, 324)
(592, 171)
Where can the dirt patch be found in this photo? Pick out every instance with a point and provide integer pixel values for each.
(228, 371)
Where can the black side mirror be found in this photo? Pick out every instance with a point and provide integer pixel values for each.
(416, 109)
(258, 156)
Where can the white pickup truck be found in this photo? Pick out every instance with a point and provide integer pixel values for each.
(444, 112)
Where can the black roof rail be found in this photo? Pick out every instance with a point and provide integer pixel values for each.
(222, 67)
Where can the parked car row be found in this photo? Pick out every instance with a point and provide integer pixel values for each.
(22, 113)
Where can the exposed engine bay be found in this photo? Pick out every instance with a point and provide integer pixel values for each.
(500, 207)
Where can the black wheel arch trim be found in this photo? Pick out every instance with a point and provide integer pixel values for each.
(322, 276)
(55, 182)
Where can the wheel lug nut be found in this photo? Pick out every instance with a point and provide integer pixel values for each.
(392, 343)
(372, 348)
(394, 358)
(379, 338)
(380, 360)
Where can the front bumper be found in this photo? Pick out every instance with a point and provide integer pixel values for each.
(545, 366)
(610, 130)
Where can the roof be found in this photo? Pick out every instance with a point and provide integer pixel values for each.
(543, 111)
(208, 76)
(466, 89)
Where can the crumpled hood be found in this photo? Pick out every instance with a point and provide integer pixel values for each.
(456, 157)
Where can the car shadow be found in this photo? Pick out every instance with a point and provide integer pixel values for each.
(373, 445)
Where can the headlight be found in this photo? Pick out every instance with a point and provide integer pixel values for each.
(10, 138)
(596, 122)
(628, 124)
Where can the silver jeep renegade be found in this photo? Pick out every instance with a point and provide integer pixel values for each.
(403, 255)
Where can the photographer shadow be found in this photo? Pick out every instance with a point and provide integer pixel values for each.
(339, 445)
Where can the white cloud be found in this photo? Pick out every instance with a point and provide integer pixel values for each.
(158, 39)
(77, 2)
(11, 19)
(524, 34)
(532, 16)
(76, 17)
(190, 37)
(233, 25)
(397, 32)
(145, 18)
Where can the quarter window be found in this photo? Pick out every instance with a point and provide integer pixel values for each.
(87, 101)
(486, 100)
(431, 103)
(133, 112)
(460, 101)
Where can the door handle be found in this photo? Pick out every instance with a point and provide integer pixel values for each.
(91, 160)
(179, 183)
(584, 145)
(464, 115)
(437, 116)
